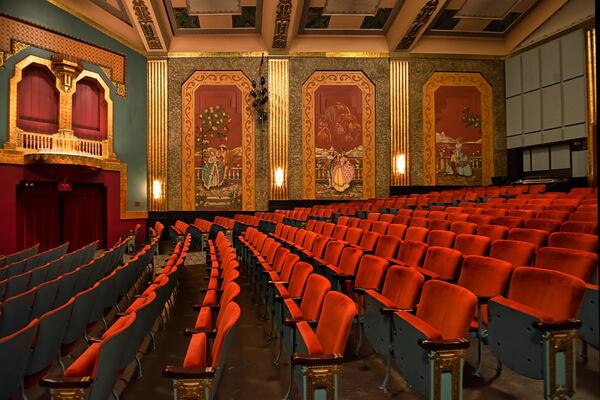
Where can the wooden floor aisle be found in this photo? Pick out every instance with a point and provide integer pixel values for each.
(250, 373)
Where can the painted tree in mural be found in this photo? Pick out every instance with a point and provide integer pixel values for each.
(213, 124)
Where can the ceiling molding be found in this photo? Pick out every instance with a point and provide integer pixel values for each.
(421, 20)
(282, 24)
(147, 25)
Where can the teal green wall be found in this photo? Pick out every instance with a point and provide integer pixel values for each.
(129, 112)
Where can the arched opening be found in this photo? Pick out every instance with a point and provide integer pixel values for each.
(37, 100)
(89, 110)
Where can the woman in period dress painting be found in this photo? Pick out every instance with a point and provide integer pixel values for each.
(342, 173)
(212, 171)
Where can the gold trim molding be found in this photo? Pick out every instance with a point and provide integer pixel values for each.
(592, 104)
(399, 115)
(476, 80)
(279, 128)
(341, 78)
(12, 30)
(158, 111)
(188, 176)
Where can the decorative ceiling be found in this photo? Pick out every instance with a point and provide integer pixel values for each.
(195, 27)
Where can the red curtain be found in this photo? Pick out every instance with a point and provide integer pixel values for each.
(89, 110)
(38, 100)
(84, 215)
(38, 216)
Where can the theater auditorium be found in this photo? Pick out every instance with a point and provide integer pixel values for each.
(298, 200)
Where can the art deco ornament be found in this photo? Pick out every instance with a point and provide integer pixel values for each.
(67, 69)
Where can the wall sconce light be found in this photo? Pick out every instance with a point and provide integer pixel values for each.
(400, 164)
(66, 69)
(279, 176)
(156, 189)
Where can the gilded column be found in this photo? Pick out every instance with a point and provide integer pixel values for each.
(591, 84)
(157, 135)
(278, 128)
(399, 115)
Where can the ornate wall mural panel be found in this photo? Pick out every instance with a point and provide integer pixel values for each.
(217, 142)
(338, 135)
(458, 129)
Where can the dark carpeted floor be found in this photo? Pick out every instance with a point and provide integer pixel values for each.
(251, 374)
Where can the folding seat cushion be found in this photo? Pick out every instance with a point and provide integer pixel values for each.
(523, 326)
(297, 281)
(330, 255)
(344, 269)
(420, 214)
(441, 263)
(343, 220)
(100, 361)
(354, 222)
(510, 222)
(494, 212)
(525, 214)
(472, 244)
(439, 224)
(402, 219)
(548, 225)
(380, 227)
(481, 219)
(454, 217)
(397, 230)
(211, 306)
(441, 238)
(438, 215)
(516, 252)
(365, 225)
(580, 227)
(537, 237)
(339, 232)
(411, 253)
(387, 246)
(414, 337)
(310, 225)
(323, 347)
(318, 248)
(369, 240)
(328, 228)
(318, 228)
(584, 216)
(454, 210)
(494, 232)
(415, 233)
(435, 208)
(463, 227)
(561, 216)
(579, 263)
(419, 222)
(574, 240)
(15, 350)
(562, 207)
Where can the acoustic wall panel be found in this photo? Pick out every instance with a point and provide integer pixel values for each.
(572, 55)
(531, 139)
(540, 159)
(579, 165)
(514, 142)
(551, 107)
(550, 63)
(526, 160)
(514, 115)
(532, 112)
(552, 135)
(560, 156)
(578, 131)
(574, 101)
(512, 74)
(530, 65)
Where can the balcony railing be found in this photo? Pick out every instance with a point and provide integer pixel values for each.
(63, 142)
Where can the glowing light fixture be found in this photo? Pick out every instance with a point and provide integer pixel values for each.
(279, 177)
(156, 189)
(400, 163)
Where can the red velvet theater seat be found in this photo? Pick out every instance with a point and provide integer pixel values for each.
(472, 244)
(579, 263)
(574, 240)
(516, 252)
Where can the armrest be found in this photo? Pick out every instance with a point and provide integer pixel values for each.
(192, 331)
(396, 262)
(312, 323)
(174, 372)
(273, 283)
(121, 314)
(316, 360)
(94, 340)
(359, 291)
(291, 321)
(437, 345)
(392, 310)
(74, 382)
(557, 326)
(483, 299)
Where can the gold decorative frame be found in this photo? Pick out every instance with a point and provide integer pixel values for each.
(476, 80)
(367, 88)
(399, 121)
(158, 132)
(279, 126)
(12, 30)
(188, 177)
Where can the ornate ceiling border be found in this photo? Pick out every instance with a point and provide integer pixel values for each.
(421, 19)
(146, 22)
(309, 89)
(282, 24)
(188, 143)
(23, 34)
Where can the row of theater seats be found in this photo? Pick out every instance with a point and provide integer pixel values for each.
(313, 321)
(199, 375)
(96, 371)
(33, 261)
(19, 255)
(19, 282)
(387, 295)
(49, 320)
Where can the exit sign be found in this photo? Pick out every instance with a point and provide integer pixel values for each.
(65, 187)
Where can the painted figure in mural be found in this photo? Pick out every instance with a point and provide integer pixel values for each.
(213, 170)
(225, 157)
(331, 158)
(459, 162)
(324, 135)
(342, 172)
(345, 125)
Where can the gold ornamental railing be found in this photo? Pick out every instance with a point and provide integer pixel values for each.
(63, 142)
